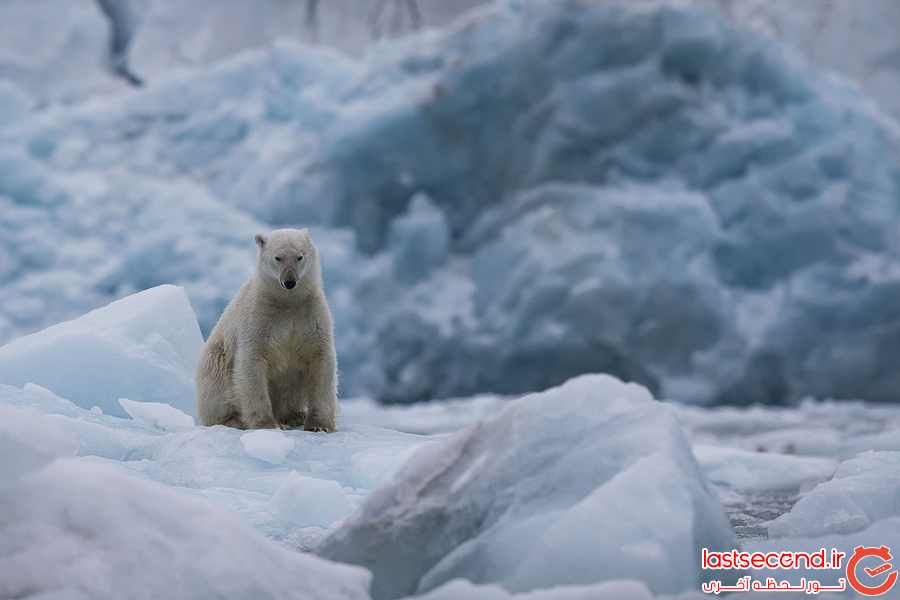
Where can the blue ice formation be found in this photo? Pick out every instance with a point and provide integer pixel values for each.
(541, 190)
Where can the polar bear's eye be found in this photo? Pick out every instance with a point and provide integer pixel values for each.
(299, 258)
(277, 259)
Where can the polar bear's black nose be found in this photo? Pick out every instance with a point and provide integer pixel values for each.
(289, 284)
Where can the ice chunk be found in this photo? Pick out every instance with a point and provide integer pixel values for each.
(762, 471)
(28, 442)
(308, 502)
(519, 499)
(863, 491)
(77, 529)
(154, 414)
(269, 446)
(144, 347)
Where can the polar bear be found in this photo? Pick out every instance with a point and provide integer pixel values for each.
(270, 360)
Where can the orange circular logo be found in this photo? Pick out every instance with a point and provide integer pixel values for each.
(870, 573)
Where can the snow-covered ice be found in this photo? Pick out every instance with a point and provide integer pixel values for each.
(156, 414)
(269, 446)
(524, 499)
(29, 442)
(311, 502)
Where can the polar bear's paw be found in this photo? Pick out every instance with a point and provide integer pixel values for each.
(296, 421)
(314, 423)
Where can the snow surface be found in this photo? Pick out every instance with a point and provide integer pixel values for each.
(311, 502)
(269, 446)
(29, 442)
(156, 414)
(542, 179)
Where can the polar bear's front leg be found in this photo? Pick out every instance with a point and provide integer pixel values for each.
(320, 390)
(252, 391)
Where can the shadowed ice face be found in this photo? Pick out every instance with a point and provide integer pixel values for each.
(285, 256)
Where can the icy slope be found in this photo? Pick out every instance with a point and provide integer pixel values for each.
(594, 192)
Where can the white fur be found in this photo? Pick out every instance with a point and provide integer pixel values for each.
(270, 361)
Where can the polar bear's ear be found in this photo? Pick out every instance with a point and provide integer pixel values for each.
(260, 240)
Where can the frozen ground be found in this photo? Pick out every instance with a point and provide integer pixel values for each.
(566, 487)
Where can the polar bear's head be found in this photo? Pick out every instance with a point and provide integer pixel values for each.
(286, 256)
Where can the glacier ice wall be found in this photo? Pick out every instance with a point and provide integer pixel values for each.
(634, 189)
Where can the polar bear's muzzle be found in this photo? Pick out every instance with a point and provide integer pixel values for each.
(288, 283)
